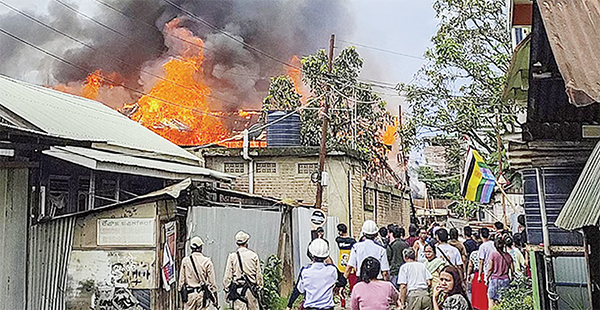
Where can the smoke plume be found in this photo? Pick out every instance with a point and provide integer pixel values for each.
(236, 74)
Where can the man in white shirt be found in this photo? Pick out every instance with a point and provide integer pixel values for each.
(414, 280)
(366, 248)
(485, 251)
(446, 251)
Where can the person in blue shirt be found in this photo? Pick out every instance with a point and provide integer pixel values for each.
(317, 280)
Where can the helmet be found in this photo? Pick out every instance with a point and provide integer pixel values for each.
(241, 237)
(196, 242)
(319, 248)
(369, 228)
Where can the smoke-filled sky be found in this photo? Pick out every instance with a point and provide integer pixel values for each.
(281, 28)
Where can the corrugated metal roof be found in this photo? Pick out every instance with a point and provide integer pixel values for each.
(583, 206)
(122, 163)
(575, 40)
(77, 118)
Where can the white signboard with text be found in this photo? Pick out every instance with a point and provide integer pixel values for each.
(126, 231)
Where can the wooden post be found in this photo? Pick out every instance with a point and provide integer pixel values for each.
(323, 151)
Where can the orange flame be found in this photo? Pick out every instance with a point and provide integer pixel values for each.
(177, 107)
(389, 136)
(92, 85)
(296, 76)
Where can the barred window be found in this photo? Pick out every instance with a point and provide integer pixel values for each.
(234, 168)
(266, 168)
(307, 168)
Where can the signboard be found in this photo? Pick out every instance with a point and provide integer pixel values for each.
(343, 260)
(126, 231)
(168, 261)
(317, 218)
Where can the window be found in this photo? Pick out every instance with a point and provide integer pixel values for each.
(57, 200)
(234, 168)
(266, 168)
(307, 168)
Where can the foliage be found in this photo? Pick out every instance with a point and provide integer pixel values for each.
(458, 91)
(518, 296)
(347, 97)
(438, 186)
(272, 279)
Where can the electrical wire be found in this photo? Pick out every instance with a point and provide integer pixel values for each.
(204, 22)
(111, 81)
(383, 50)
(106, 54)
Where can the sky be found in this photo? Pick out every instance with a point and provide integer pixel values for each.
(399, 26)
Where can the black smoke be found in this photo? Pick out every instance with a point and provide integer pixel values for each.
(235, 73)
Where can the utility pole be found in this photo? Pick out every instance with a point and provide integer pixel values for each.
(499, 147)
(323, 151)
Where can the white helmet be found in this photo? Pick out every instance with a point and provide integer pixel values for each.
(196, 242)
(319, 248)
(369, 228)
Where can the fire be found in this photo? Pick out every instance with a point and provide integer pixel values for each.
(389, 136)
(296, 76)
(177, 107)
(92, 85)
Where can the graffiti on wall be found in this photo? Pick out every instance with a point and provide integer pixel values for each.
(109, 280)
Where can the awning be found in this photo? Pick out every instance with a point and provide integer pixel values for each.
(121, 163)
(583, 206)
(517, 77)
(574, 35)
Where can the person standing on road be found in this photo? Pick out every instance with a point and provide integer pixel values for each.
(419, 245)
(198, 274)
(499, 272)
(366, 248)
(316, 281)
(345, 244)
(453, 235)
(485, 250)
(414, 280)
(447, 252)
(449, 294)
(470, 244)
(243, 277)
(394, 254)
(370, 293)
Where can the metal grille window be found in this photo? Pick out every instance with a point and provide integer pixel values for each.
(307, 168)
(266, 168)
(234, 167)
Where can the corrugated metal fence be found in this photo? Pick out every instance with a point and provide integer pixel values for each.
(49, 247)
(217, 226)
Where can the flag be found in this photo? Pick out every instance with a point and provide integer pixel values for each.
(478, 180)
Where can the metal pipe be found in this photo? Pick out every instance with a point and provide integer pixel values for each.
(549, 268)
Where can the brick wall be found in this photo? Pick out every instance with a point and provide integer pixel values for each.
(367, 200)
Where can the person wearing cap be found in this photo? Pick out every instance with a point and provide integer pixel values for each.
(366, 248)
(198, 273)
(317, 280)
(247, 277)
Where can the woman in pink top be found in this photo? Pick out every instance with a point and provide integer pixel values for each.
(499, 272)
(370, 293)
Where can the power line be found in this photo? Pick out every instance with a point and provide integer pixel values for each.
(204, 22)
(106, 54)
(113, 82)
(384, 50)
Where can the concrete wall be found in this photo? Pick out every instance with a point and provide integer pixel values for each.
(347, 197)
(288, 183)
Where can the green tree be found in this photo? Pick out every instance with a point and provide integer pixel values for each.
(357, 115)
(458, 91)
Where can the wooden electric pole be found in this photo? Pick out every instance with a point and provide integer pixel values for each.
(325, 113)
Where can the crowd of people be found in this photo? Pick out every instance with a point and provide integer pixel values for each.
(434, 268)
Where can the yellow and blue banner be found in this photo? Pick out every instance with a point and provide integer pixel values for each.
(478, 180)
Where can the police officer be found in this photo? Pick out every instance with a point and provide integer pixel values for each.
(198, 272)
(366, 248)
(317, 280)
(246, 278)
